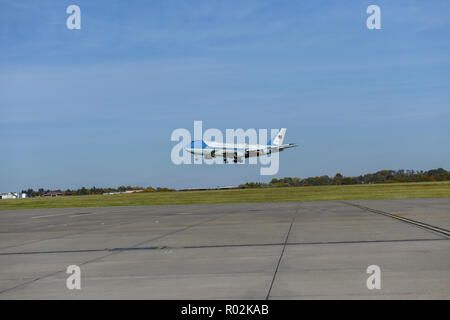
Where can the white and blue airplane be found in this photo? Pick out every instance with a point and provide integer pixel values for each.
(212, 149)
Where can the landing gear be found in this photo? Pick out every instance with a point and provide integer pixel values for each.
(236, 159)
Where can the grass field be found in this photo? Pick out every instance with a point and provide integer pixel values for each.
(350, 192)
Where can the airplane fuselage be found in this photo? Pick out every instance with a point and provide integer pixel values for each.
(212, 149)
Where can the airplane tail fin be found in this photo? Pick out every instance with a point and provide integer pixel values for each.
(278, 139)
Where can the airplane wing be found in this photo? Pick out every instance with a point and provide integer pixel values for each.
(239, 154)
(229, 153)
(236, 155)
(250, 152)
(255, 152)
(283, 146)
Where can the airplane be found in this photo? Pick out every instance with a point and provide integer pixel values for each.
(211, 149)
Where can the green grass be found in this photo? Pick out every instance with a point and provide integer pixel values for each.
(350, 192)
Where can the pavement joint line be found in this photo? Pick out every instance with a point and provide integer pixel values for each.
(53, 215)
(64, 235)
(180, 230)
(218, 246)
(41, 240)
(83, 214)
(416, 223)
(282, 252)
(21, 285)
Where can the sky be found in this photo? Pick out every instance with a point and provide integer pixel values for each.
(97, 106)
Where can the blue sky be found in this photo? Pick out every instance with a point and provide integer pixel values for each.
(97, 106)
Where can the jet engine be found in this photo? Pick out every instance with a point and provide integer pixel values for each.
(209, 154)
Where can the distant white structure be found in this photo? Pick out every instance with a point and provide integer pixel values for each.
(13, 195)
(9, 195)
(122, 192)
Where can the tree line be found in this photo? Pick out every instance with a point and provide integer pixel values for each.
(90, 191)
(382, 176)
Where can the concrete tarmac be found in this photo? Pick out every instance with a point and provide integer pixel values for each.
(295, 250)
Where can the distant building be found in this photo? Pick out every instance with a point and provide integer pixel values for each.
(9, 195)
(13, 195)
(206, 189)
(133, 191)
(228, 187)
(122, 192)
(55, 193)
(195, 189)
